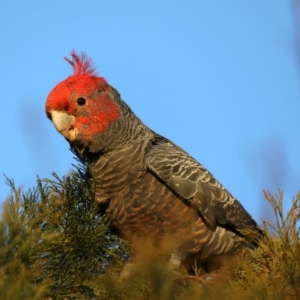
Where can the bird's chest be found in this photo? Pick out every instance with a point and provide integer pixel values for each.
(137, 200)
(147, 208)
(115, 176)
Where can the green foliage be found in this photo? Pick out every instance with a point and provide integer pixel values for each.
(55, 243)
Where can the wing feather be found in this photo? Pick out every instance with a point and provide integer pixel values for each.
(197, 187)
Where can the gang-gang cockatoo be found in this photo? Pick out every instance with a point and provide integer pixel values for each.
(150, 187)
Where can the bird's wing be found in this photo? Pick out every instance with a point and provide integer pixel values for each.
(197, 187)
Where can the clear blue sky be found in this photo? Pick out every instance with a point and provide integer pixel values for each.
(219, 78)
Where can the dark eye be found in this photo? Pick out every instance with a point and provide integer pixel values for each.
(81, 101)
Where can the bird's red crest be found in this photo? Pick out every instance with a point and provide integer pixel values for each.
(82, 64)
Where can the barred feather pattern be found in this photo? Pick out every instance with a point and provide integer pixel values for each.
(142, 205)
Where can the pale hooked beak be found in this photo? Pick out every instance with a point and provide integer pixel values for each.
(64, 123)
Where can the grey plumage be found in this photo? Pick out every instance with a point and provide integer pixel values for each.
(151, 188)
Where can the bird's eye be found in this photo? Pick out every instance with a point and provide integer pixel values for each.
(81, 101)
